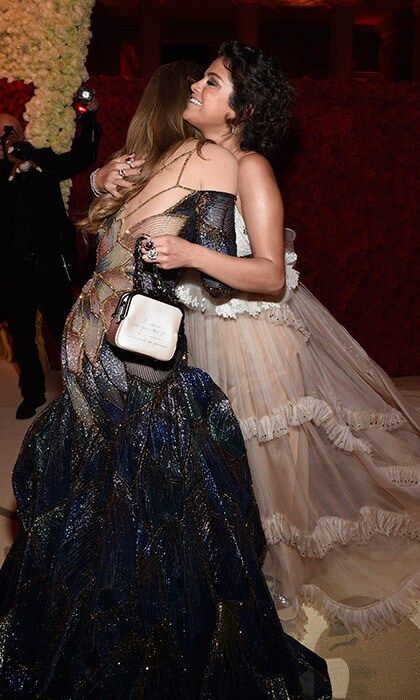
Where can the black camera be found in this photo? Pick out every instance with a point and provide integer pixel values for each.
(83, 97)
(13, 147)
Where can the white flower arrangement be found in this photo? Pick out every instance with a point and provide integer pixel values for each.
(45, 42)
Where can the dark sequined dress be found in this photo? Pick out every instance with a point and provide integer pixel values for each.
(137, 571)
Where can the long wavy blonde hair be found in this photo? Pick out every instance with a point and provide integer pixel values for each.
(155, 131)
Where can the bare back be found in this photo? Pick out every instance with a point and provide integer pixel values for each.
(183, 172)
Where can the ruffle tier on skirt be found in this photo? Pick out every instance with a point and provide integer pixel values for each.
(334, 454)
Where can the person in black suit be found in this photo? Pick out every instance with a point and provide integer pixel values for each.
(37, 242)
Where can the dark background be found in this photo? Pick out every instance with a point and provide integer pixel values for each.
(349, 172)
(300, 36)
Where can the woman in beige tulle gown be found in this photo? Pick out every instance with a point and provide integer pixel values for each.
(333, 448)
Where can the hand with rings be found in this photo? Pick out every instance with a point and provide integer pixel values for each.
(152, 254)
(169, 252)
(150, 248)
(115, 175)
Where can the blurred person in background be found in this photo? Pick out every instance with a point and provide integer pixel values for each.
(38, 241)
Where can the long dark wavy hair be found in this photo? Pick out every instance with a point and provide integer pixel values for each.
(262, 97)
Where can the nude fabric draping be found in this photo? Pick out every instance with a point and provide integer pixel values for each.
(333, 449)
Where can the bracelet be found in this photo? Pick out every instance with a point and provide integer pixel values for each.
(92, 180)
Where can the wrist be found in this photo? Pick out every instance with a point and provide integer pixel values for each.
(195, 256)
(94, 184)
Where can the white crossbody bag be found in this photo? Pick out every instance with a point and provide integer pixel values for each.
(146, 326)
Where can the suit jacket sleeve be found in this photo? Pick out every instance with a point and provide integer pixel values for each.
(83, 152)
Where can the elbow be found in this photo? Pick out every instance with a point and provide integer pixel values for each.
(275, 291)
(275, 286)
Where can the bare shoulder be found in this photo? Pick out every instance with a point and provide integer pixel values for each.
(216, 154)
(217, 169)
(255, 165)
(257, 182)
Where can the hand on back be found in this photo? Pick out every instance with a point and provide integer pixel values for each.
(114, 176)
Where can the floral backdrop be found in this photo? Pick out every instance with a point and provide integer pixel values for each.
(45, 43)
(348, 176)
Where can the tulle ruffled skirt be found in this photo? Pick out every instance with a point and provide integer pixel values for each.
(334, 455)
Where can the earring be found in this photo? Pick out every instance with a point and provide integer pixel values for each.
(232, 129)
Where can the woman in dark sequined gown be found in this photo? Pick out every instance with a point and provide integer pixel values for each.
(137, 570)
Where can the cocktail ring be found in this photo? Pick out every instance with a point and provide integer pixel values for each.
(152, 254)
(121, 173)
(129, 161)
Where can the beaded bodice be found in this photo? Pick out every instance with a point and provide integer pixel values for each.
(204, 217)
(89, 364)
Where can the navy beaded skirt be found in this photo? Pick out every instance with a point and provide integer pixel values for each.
(136, 573)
